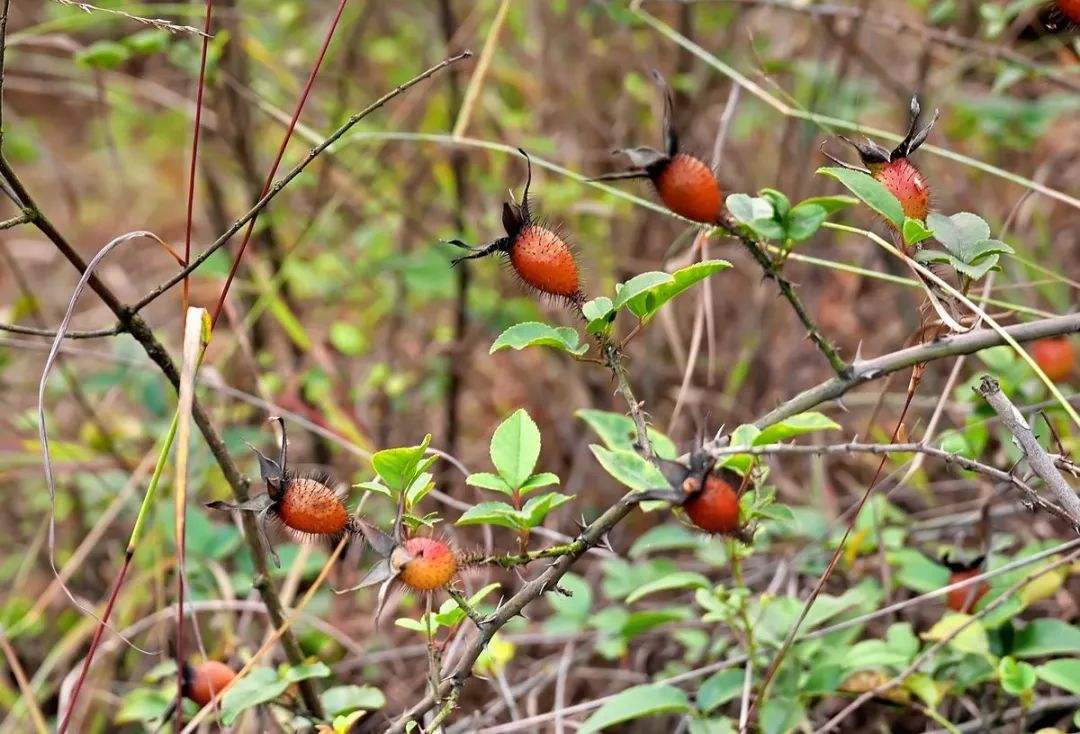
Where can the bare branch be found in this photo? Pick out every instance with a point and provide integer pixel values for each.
(1039, 461)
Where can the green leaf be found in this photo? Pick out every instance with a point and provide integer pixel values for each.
(873, 655)
(872, 193)
(515, 447)
(639, 285)
(781, 715)
(914, 231)
(646, 304)
(629, 468)
(830, 204)
(258, 686)
(537, 481)
(578, 604)
(768, 229)
(296, 673)
(804, 220)
(537, 508)
(348, 338)
(780, 203)
(984, 248)
(617, 431)
(149, 41)
(1063, 673)
(917, 572)
(1046, 637)
(599, 313)
(959, 232)
(398, 467)
(143, 705)
(972, 638)
(746, 208)
(976, 271)
(534, 333)
(680, 580)
(486, 480)
(345, 699)
(796, 425)
(491, 513)
(664, 538)
(651, 699)
(102, 55)
(597, 308)
(1016, 677)
(720, 688)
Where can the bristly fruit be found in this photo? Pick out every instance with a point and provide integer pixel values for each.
(306, 506)
(685, 184)
(964, 600)
(1055, 356)
(714, 507)
(540, 257)
(203, 681)
(419, 563)
(894, 169)
(425, 564)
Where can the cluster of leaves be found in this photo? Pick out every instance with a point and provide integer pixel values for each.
(995, 650)
(515, 449)
(403, 476)
(770, 216)
(642, 296)
(965, 237)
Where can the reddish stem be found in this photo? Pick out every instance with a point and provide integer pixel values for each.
(280, 154)
(94, 643)
(195, 148)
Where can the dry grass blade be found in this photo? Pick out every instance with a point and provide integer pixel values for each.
(154, 22)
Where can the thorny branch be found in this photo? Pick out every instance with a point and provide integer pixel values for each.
(731, 227)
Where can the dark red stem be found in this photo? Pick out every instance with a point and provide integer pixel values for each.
(280, 154)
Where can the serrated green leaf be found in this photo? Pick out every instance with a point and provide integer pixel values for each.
(345, 699)
(515, 448)
(629, 468)
(872, 193)
(538, 481)
(646, 304)
(617, 431)
(491, 513)
(398, 467)
(915, 231)
(537, 508)
(536, 334)
(638, 285)
(653, 699)
(487, 480)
